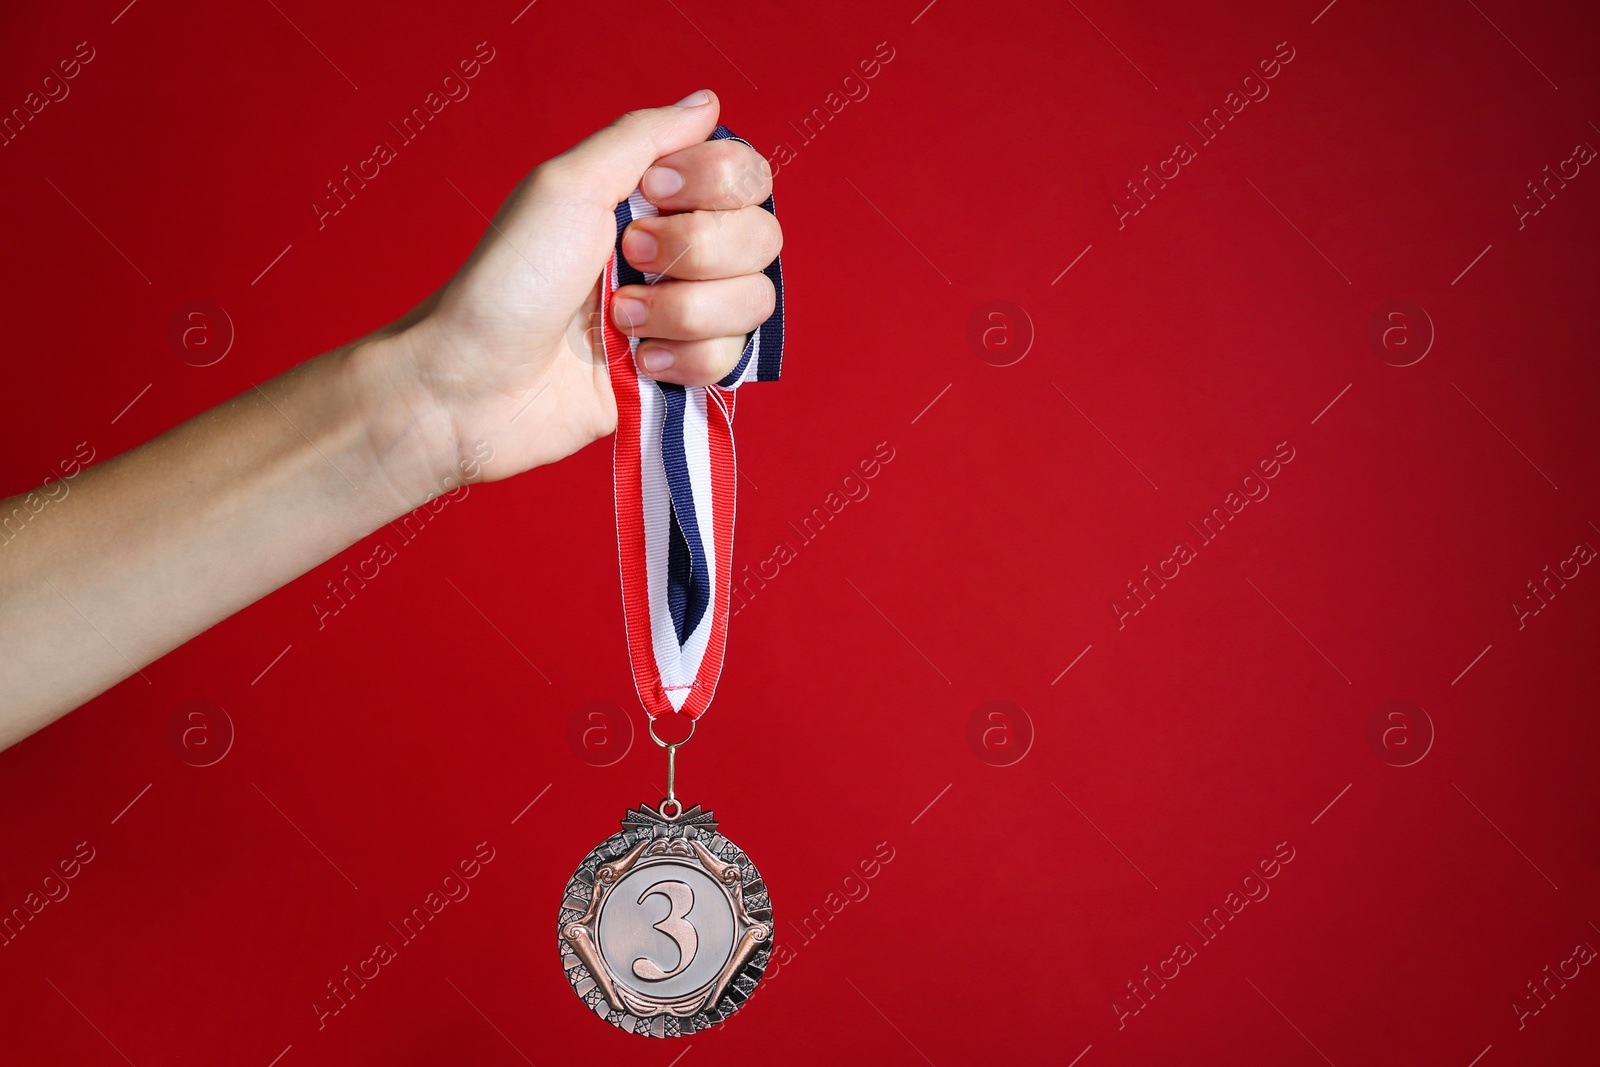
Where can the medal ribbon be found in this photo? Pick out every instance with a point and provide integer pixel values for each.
(675, 473)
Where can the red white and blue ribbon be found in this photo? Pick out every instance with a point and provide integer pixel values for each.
(675, 474)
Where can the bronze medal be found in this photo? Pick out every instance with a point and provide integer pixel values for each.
(666, 927)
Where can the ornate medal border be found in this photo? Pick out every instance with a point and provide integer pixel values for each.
(690, 836)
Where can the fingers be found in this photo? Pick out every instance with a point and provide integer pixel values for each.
(711, 242)
(606, 166)
(690, 362)
(694, 331)
(710, 176)
(704, 244)
(694, 311)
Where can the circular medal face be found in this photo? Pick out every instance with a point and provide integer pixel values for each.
(666, 927)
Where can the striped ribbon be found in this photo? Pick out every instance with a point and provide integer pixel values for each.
(675, 471)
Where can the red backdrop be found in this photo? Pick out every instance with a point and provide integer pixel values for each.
(1197, 827)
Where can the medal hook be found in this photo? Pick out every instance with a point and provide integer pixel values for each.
(672, 771)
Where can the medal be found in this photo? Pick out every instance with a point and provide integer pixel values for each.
(666, 926)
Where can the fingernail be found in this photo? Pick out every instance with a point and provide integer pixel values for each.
(656, 359)
(659, 183)
(629, 312)
(639, 246)
(694, 99)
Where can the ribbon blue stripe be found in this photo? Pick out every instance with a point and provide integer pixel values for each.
(767, 370)
(627, 273)
(771, 332)
(680, 572)
(688, 592)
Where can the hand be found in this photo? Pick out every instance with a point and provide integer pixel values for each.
(168, 539)
(508, 352)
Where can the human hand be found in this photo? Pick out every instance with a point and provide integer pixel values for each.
(173, 536)
(508, 351)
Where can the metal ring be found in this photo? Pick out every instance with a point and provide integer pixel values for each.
(677, 805)
(674, 744)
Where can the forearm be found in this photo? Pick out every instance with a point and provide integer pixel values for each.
(153, 547)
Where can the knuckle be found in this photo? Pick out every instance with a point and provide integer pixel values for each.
(692, 309)
(771, 239)
(557, 172)
(561, 181)
(706, 312)
(742, 176)
(700, 234)
(764, 298)
(724, 176)
(724, 357)
(691, 227)
(751, 178)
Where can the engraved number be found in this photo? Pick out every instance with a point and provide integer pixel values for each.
(675, 926)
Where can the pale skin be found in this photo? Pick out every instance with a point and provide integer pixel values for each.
(156, 545)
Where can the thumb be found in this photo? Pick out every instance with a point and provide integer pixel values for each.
(607, 165)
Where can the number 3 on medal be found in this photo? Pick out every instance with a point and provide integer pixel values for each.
(675, 926)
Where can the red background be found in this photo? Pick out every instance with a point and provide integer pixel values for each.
(1178, 751)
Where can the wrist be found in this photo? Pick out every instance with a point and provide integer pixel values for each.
(410, 439)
